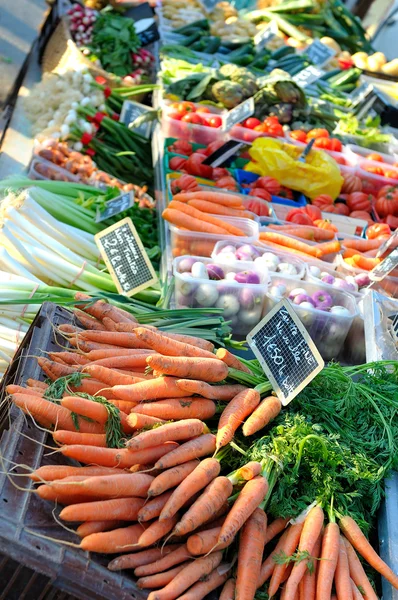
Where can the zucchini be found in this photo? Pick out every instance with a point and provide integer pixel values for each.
(349, 87)
(292, 6)
(330, 74)
(345, 78)
(299, 68)
(213, 44)
(194, 37)
(282, 52)
(202, 24)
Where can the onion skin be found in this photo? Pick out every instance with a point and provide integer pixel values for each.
(247, 277)
(215, 272)
(186, 264)
(329, 279)
(323, 300)
(300, 298)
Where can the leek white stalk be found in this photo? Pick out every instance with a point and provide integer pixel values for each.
(8, 262)
(13, 324)
(12, 335)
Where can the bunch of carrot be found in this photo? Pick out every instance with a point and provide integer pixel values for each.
(306, 232)
(284, 242)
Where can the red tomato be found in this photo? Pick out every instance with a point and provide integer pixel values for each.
(262, 128)
(299, 135)
(323, 142)
(341, 209)
(184, 183)
(214, 122)
(335, 145)
(260, 193)
(177, 163)
(202, 109)
(194, 166)
(272, 119)
(377, 230)
(257, 207)
(374, 156)
(187, 106)
(322, 201)
(213, 146)
(275, 129)
(299, 217)
(177, 116)
(181, 147)
(375, 170)
(317, 133)
(192, 118)
(251, 123)
(391, 174)
(268, 183)
(219, 172)
(313, 212)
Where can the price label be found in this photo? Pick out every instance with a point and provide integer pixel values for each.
(385, 267)
(239, 113)
(115, 206)
(125, 256)
(392, 240)
(285, 351)
(131, 111)
(144, 22)
(223, 154)
(265, 35)
(308, 76)
(319, 53)
(360, 93)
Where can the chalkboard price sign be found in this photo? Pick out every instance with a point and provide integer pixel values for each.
(131, 111)
(385, 267)
(144, 21)
(394, 329)
(223, 154)
(115, 206)
(308, 76)
(126, 258)
(319, 53)
(238, 114)
(285, 351)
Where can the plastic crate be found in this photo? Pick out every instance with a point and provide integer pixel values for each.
(246, 178)
(24, 514)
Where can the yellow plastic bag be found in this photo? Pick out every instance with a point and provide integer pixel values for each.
(320, 174)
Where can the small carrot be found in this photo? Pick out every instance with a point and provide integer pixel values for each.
(75, 437)
(203, 216)
(154, 507)
(55, 370)
(209, 502)
(228, 591)
(91, 527)
(290, 542)
(138, 559)
(200, 446)
(356, 594)
(361, 244)
(218, 209)
(168, 346)
(195, 571)
(104, 486)
(176, 557)
(358, 574)
(126, 361)
(111, 457)
(36, 383)
(206, 369)
(52, 472)
(217, 197)
(250, 553)
(355, 536)
(70, 358)
(87, 321)
(125, 407)
(114, 338)
(108, 376)
(154, 389)
(268, 566)
(288, 242)
(170, 478)
(308, 583)
(342, 580)
(177, 408)
(183, 221)
(328, 562)
(234, 414)
(156, 531)
(111, 542)
(100, 308)
(170, 432)
(207, 470)
(327, 248)
(137, 421)
(204, 541)
(266, 411)
(95, 355)
(365, 263)
(212, 392)
(92, 410)
(185, 339)
(123, 509)
(251, 495)
(208, 583)
(231, 361)
(315, 234)
(159, 580)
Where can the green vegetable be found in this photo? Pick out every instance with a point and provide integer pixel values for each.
(202, 24)
(230, 94)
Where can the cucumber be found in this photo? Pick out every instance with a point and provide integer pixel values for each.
(201, 24)
(330, 74)
(281, 52)
(188, 41)
(299, 68)
(346, 77)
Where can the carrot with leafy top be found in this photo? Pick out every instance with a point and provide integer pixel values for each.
(181, 220)
(181, 430)
(232, 361)
(203, 216)
(177, 408)
(212, 392)
(250, 553)
(203, 445)
(235, 413)
(266, 411)
(192, 367)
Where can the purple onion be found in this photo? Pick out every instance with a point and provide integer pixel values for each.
(322, 300)
(228, 248)
(215, 272)
(329, 279)
(247, 277)
(300, 298)
(248, 298)
(362, 279)
(247, 252)
(342, 284)
(296, 292)
(185, 301)
(185, 265)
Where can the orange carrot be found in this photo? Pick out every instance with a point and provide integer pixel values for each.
(111, 457)
(109, 377)
(156, 531)
(159, 580)
(177, 408)
(87, 321)
(100, 308)
(95, 355)
(208, 583)
(154, 389)
(309, 581)
(70, 358)
(138, 559)
(204, 541)
(92, 410)
(228, 591)
(181, 430)
(355, 536)
(180, 219)
(250, 470)
(209, 502)
(328, 562)
(55, 370)
(126, 361)
(306, 233)
(125, 407)
(358, 574)
(154, 507)
(18, 389)
(209, 196)
(213, 392)
(288, 547)
(342, 580)
(251, 495)
(111, 542)
(75, 437)
(200, 446)
(203, 216)
(250, 553)
(91, 527)
(231, 361)
(268, 566)
(265, 412)
(114, 338)
(123, 509)
(52, 472)
(356, 594)
(104, 486)
(206, 369)
(288, 242)
(327, 248)
(36, 383)
(234, 414)
(195, 571)
(168, 346)
(361, 244)
(137, 421)
(171, 478)
(365, 263)
(219, 209)
(179, 555)
(186, 339)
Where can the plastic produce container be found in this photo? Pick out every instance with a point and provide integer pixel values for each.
(202, 244)
(387, 286)
(338, 156)
(374, 181)
(242, 302)
(328, 258)
(200, 134)
(244, 134)
(46, 170)
(357, 154)
(328, 270)
(327, 330)
(273, 265)
(247, 177)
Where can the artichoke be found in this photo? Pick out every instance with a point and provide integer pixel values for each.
(230, 94)
(284, 112)
(289, 91)
(279, 89)
(228, 71)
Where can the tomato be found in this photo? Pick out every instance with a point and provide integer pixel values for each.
(340, 160)
(184, 183)
(257, 207)
(377, 230)
(186, 107)
(262, 128)
(374, 156)
(312, 211)
(192, 118)
(227, 183)
(387, 189)
(203, 109)
(335, 145)
(323, 142)
(219, 172)
(213, 146)
(251, 123)
(317, 133)
(275, 129)
(391, 174)
(270, 184)
(341, 209)
(177, 116)
(299, 218)
(194, 166)
(359, 201)
(352, 183)
(177, 163)
(271, 119)
(375, 170)
(285, 192)
(361, 214)
(260, 193)
(214, 122)
(387, 205)
(298, 135)
(325, 224)
(322, 201)
(181, 147)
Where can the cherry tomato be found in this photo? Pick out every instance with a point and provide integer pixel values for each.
(374, 156)
(203, 109)
(275, 129)
(322, 142)
(251, 123)
(271, 119)
(391, 174)
(192, 118)
(298, 135)
(214, 122)
(317, 133)
(335, 145)
(187, 106)
(262, 128)
(177, 116)
(375, 170)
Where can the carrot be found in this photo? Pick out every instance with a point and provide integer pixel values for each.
(154, 389)
(193, 572)
(309, 535)
(125, 361)
(159, 580)
(83, 439)
(186, 339)
(265, 412)
(112, 457)
(361, 244)
(306, 233)
(342, 580)
(177, 408)
(290, 540)
(138, 559)
(154, 507)
(204, 541)
(137, 421)
(209, 502)
(123, 509)
(217, 197)
(64, 494)
(219, 209)
(206, 369)
(180, 219)
(125, 407)
(168, 346)
(213, 392)
(58, 415)
(206, 471)
(274, 528)
(114, 338)
(95, 355)
(36, 383)
(328, 562)
(70, 358)
(51, 472)
(203, 216)
(356, 594)
(231, 361)
(100, 308)
(176, 557)
(87, 321)
(268, 566)
(200, 446)
(91, 527)
(207, 584)
(181, 430)
(288, 242)
(171, 478)
(253, 492)
(250, 470)
(228, 591)
(111, 542)
(109, 325)
(55, 370)
(234, 414)
(327, 248)
(157, 530)
(365, 263)
(92, 410)
(250, 553)
(18, 389)
(355, 536)
(91, 387)
(358, 574)
(109, 377)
